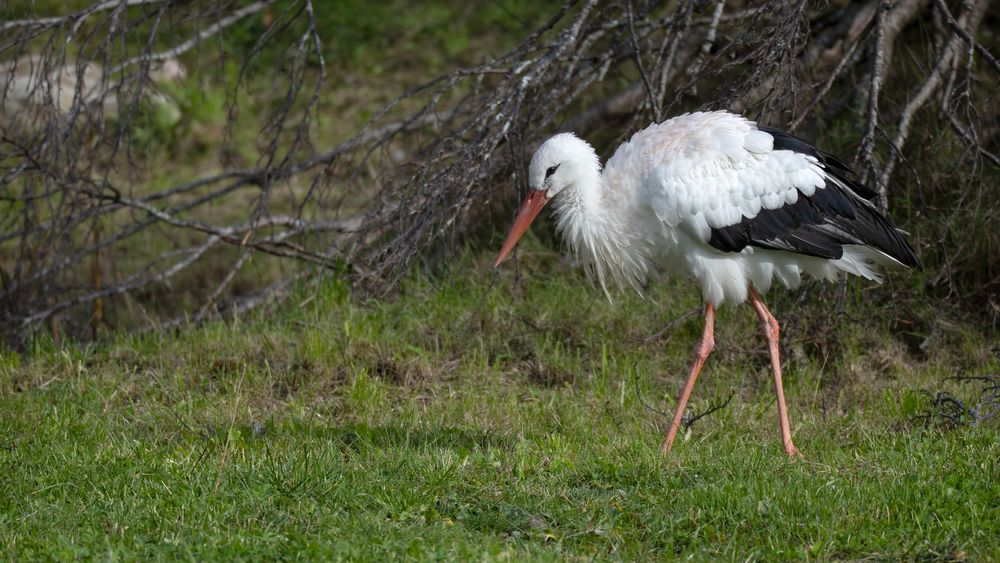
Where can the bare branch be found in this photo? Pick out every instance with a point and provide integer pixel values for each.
(197, 39)
(983, 51)
(56, 21)
(973, 14)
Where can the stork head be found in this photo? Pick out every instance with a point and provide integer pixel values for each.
(559, 166)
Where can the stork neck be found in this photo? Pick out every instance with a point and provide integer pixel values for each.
(592, 219)
(582, 203)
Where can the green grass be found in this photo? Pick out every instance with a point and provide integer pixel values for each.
(469, 418)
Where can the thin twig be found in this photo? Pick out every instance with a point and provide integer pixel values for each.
(712, 407)
(972, 14)
(204, 34)
(56, 21)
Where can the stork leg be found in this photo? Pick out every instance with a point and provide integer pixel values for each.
(771, 331)
(700, 354)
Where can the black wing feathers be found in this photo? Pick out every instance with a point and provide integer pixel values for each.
(819, 225)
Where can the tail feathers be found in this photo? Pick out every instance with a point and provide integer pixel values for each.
(868, 262)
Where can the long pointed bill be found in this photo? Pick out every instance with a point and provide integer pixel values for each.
(529, 210)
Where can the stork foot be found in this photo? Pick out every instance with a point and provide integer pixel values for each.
(793, 452)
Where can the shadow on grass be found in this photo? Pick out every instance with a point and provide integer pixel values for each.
(357, 436)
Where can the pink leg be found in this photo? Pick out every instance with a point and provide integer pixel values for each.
(700, 353)
(770, 326)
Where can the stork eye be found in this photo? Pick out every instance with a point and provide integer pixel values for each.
(551, 170)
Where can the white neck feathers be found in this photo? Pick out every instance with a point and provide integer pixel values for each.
(592, 220)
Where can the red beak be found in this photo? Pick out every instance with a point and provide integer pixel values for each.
(529, 210)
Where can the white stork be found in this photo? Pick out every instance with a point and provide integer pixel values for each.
(713, 197)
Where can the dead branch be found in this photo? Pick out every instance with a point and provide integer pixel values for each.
(198, 39)
(972, 15)
(57, 21)
(975, 409)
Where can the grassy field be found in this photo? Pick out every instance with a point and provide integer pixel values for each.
(476, 418)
